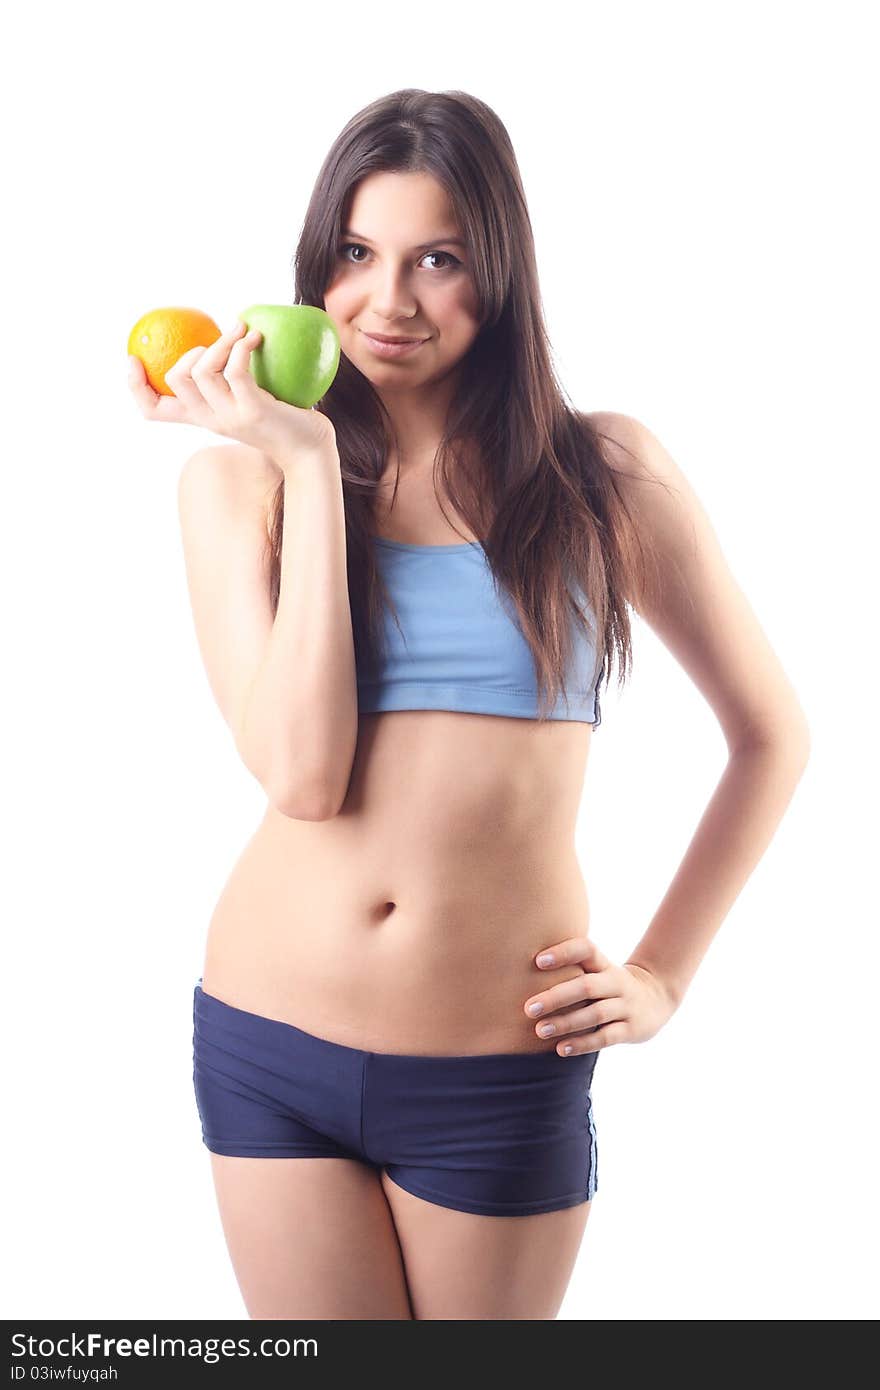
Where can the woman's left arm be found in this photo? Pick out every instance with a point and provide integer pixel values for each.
(702, 616)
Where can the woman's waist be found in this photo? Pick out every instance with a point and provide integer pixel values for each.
(413, 971)
(419, 841)
(413, 880)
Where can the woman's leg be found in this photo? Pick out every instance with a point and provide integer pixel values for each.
(311, 1238)
(489, 1166)
(307, 1225)
(464, 1266)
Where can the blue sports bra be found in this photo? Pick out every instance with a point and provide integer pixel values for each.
(462, 648)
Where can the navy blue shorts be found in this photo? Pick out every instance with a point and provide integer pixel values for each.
(502, 1134)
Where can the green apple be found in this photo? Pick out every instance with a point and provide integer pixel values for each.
(298, 355)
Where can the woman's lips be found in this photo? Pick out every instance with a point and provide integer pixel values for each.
(393, 349)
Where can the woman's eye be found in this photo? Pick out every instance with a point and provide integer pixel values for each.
(357, 246)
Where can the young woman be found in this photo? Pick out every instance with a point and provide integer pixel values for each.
(406, 599)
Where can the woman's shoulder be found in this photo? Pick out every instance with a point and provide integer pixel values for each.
(238, 474)
(243, 463)
(238, 467)
(627, 439)
(635, 452)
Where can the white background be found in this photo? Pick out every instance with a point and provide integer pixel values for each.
(698, 178)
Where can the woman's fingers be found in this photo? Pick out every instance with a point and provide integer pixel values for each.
(213, 386)
(183, 382)
(577, 950)
(581, 1020)
(607, 1036)
(207, 372)
(197, 376)
(584, 987)
(205, 376)
(151, 404)
(238, 370)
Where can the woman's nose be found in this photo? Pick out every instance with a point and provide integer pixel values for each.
(392, 297)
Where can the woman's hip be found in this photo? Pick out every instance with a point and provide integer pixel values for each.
(498, 1133)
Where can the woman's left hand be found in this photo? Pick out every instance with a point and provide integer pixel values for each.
(604, 1005)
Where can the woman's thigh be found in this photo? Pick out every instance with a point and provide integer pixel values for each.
(310, 1238)
(465, 1266)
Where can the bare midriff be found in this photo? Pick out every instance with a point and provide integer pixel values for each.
(409, 922)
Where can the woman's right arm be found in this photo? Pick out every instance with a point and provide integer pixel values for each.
(287, 686)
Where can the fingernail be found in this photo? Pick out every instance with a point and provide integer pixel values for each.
(535, 1009)
(545, 959)
(546, 1029)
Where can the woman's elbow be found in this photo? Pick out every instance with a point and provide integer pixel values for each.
(314, 805)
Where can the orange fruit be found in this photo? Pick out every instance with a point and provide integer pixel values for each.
(160, 337)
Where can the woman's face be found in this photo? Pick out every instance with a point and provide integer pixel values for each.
(398, 274)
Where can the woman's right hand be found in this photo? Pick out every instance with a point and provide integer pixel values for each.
(213, 388)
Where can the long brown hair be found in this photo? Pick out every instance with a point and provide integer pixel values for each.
(526, 470)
